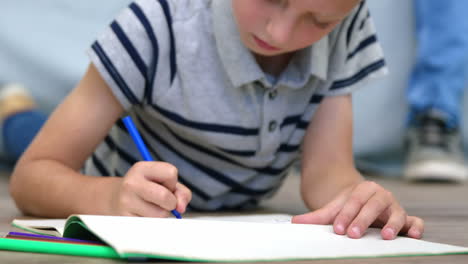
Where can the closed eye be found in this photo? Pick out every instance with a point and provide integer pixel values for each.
(322, 25)
(278, 2)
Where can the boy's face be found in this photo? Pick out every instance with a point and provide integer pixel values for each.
(274, 27)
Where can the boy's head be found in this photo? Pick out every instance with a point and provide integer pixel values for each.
(274, 27)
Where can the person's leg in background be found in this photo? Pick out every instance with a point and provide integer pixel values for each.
(435, 92)
(20, 120)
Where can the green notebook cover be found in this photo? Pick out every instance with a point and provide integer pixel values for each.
(33, 246)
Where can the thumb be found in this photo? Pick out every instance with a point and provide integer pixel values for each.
(183, 195)
(323, 216)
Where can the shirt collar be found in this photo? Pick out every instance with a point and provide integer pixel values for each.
(240, 64)
(311, 61)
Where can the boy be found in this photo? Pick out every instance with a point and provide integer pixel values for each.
(222, 92)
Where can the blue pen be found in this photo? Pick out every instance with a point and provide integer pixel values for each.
(128, 122)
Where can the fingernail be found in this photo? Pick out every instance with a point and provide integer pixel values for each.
(297, 219)
(340, 229)
(415, 233)
(356, 231)
(390, 232)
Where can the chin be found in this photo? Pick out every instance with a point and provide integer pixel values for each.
(266, 53)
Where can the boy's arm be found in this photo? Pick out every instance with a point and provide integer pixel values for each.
(333, 187)
(46, 180)
(327, 159)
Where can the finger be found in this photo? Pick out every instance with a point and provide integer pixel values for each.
(324, 215)
(160, 172)
(183, 196)
(369, 213)
(358, 198)
(145, 209)
(129, 214)
(132, 205)
(413, 228)
(158, 195)
(395, 223)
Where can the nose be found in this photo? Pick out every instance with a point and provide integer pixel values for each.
(280, 30)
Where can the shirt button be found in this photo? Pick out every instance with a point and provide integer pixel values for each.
(273, 94)
(272, 126)
(258, 84)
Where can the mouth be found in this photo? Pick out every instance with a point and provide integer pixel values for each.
(262, 44)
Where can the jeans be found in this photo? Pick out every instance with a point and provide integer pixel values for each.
(19, 130)
(440, 71)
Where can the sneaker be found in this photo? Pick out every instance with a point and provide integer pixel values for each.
(434, 151)
(14, 98)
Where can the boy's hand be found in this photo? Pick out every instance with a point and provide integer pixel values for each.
(150, 189)
(363, 205)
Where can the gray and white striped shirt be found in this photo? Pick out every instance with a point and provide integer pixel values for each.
(202, 103)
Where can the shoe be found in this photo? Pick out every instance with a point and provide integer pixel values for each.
(434, 151)
(14, 98)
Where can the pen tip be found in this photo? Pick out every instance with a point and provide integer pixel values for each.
(176, 214)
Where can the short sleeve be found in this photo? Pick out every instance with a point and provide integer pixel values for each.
(357, 55)
(129, 51)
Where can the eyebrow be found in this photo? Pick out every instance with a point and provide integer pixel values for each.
(324, 19)
(328, 17)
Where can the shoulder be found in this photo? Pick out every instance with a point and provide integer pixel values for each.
(355, 26)
(355, 54)
(355, 38)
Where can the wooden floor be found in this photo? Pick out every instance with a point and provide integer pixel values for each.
(444, 207)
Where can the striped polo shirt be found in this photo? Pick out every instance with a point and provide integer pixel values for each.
(202, 103)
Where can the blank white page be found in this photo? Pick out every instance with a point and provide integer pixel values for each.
(53, 227)
(188, 239)
(255, 218)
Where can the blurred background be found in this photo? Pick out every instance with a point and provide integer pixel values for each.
(43, 43)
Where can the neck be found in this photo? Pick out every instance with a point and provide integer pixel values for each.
(273, 65)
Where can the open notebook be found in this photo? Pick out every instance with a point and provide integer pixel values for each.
(241, 238)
